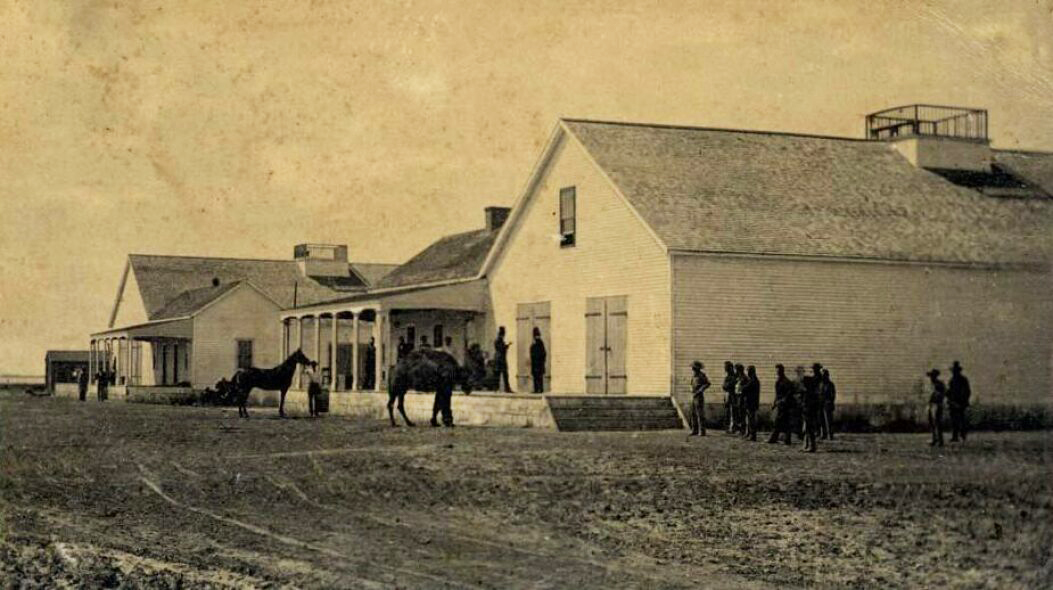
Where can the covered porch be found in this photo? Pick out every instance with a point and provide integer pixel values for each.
(356, 340)
(155, 353)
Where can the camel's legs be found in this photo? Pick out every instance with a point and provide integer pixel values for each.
(391, 408)
(281, 405)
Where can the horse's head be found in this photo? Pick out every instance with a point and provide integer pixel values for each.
(298, 358)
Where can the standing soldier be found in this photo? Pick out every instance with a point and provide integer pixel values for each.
(82, 384)
(729, 395)
(699, 384)
(783, 406)
(501, 359)
(538, 355)
(370, 373)
(811, 404)
(314, 390)
(936, 407)
(826, 424)
(751, 403)
(958, 393)
(737, 407)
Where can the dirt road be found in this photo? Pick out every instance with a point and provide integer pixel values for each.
(105, 494)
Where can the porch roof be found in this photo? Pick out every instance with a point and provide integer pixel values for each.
(181, 328)
(469, 295)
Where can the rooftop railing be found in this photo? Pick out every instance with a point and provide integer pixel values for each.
(928, 120)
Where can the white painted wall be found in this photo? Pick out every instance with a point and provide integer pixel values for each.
(615, 254)
(243, 313)
(878, 327)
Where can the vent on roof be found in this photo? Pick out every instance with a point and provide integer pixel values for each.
(215, 281)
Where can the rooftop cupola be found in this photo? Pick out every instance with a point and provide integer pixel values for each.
(935, 137)
(321, 260)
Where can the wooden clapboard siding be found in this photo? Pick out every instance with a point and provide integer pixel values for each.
(878, 326)
(242, 314)
(615, 254)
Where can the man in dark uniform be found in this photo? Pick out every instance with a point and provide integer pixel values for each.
(939, 390)
(699, 384)
(82, 384)
(750, 403)
(829, 397)
(370, 373)
(738, 407)
(783, 407)
(501, 359)
(729, 395)
(958, 393)
(811, 405)
(537, 361)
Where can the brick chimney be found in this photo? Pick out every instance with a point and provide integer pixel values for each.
(495, 217)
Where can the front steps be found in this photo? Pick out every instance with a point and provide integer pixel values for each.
(613, 412)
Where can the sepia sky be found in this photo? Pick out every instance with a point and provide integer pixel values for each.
(240, 128)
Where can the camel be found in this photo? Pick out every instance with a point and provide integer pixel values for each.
(426, 370)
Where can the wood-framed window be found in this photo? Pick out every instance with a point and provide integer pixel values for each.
(568, 224)
(244, 354)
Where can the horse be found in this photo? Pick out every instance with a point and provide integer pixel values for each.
(279, 378)
(426, 370)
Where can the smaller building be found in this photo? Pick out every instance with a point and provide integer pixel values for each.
(61, 370)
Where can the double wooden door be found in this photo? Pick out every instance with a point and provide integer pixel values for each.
(606, 320)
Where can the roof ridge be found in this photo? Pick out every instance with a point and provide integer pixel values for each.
(718, 129)
(213, 257)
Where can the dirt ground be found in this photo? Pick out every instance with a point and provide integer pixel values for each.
(110, 495)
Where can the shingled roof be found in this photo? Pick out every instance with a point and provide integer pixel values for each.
(719, 190)
(163, 280)
(457, 256)
(190, 302)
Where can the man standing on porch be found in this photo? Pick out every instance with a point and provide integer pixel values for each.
(501, 360)
(537, 361)
(371, 365)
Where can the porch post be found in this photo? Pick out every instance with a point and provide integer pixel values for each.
(318, 341)
(332, 356)
(128, 366)
(378, 342)
(299, 346)
(356, 381)
(283, 353)
(91, 360)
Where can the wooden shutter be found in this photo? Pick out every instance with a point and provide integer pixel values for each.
(524, 313)
(595, 346)
(617, 324)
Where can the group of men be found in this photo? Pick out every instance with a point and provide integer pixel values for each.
(957, 394)
(538, 360)
(804, 405)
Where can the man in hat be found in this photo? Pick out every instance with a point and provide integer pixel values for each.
(729, 395)
(82, 384)
(699, 384)
(310, 374)
(751, 403)
(538, 355)
(738, 405)
(939, 390)
(958, 393)
(811, 405)
(829, 397)
(783, 407)
(501, 359)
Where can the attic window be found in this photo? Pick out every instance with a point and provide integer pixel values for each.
(567, 215)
